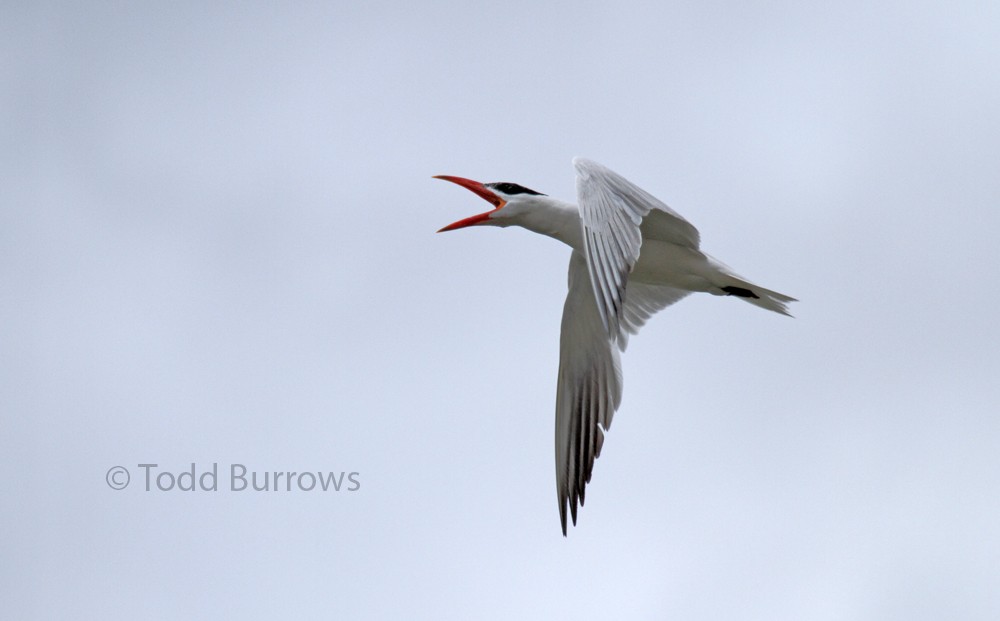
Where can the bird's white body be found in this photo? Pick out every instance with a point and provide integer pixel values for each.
(632, 256)
(660, 262)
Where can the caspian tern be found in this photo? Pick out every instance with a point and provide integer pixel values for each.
(632, 256)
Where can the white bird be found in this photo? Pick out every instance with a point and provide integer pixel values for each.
(632, 256)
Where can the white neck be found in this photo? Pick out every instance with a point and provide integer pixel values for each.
(556, 219)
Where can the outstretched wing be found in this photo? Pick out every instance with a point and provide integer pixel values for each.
(612, 209)
(589, 389)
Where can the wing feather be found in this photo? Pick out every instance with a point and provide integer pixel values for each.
(603, 307)
(642, 301)
(589, 390)
(615, 212)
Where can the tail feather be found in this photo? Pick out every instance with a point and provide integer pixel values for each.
(759, 296)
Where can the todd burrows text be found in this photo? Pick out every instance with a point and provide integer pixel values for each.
(240, 479)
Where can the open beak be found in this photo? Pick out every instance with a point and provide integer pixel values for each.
(480, 190)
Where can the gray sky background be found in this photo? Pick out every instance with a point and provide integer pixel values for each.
(217, 245)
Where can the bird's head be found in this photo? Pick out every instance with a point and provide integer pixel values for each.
(509, 201)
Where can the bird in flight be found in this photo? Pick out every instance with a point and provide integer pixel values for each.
(632, 257)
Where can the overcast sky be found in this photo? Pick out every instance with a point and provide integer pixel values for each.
(217, 247)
